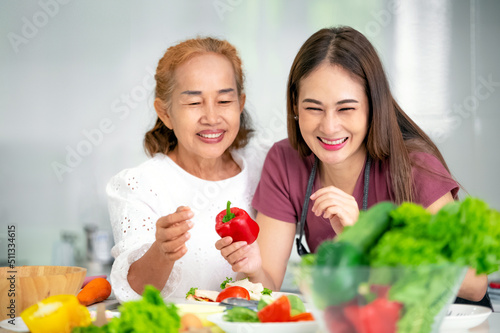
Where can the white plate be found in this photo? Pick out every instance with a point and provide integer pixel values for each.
(19, 325)
(295, 327)
(464, 316)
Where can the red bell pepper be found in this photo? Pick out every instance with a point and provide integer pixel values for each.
(276, 312)
(379, 316)
(237, 224)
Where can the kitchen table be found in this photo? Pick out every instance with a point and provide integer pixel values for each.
(492, 325)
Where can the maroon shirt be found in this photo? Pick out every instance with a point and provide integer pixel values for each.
(282, 188)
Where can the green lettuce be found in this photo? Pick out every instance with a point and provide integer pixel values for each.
(149, 314)
(464, 233)
(435, 249)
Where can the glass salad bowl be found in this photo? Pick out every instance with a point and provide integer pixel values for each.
(379, 299)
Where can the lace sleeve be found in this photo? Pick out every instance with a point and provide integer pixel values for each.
(134, 210)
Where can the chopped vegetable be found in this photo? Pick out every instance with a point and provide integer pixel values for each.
(240, 314)
(266, 291)
(379, 316)
(495, 285)
(271, 310)
(296, 305)
(277, 311)
(97, 290)
(57, 313)
(236, 291)
(191, 292)
(265, 300)
(304, 316)
(226, 281)
(237, 224)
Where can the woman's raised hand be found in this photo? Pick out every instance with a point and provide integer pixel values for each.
(244, 258)
(172, 233)
(337, 206)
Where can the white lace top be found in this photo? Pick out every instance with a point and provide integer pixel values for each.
(140, 195)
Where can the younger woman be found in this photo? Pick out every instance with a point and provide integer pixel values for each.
(353, 144)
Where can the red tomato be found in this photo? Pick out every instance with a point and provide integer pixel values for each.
(277, 311)
(495, 285)
(234, 291)
(379, 316)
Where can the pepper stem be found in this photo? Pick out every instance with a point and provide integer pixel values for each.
(228, 215)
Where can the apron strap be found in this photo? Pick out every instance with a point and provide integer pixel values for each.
(305, 207)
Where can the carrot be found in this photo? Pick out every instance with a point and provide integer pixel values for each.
(304, 316)
(95, 291)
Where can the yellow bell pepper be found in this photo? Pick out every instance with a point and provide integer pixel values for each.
(56, 314)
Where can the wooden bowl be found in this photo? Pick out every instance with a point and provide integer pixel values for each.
(24, 286)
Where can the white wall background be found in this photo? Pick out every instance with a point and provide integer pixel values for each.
(76, 89)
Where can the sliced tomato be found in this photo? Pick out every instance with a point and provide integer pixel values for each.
(304, 316)
(276, 312)
(495, 285)
(234, 291)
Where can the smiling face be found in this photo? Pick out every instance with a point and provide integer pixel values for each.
(333, 115)
(205, 108)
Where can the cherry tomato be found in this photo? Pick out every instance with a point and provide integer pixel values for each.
(234, 291)
(277, 311)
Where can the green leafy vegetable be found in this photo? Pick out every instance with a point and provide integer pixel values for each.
(266, 291)
(464, 233)
(422, 257)
(191, 292)
(226, 281)
(461, 234)
(240, 314)
(149, 314)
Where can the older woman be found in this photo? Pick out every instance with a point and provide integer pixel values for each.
(163, 211)
(343, 123)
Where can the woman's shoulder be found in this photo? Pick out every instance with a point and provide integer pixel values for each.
(427, 161)
(431, 178)
(143, 171)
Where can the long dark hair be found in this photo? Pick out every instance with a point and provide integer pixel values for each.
(392, 135)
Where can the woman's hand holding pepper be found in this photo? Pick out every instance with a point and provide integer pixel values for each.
(243, 258)
(172, 233)
(337, 206)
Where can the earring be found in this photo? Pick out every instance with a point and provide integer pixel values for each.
(296, 117)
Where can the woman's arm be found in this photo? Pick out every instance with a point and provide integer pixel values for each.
(275, 242)
(474, 286)
(152, 268)
(155, 266)
(265, 260)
